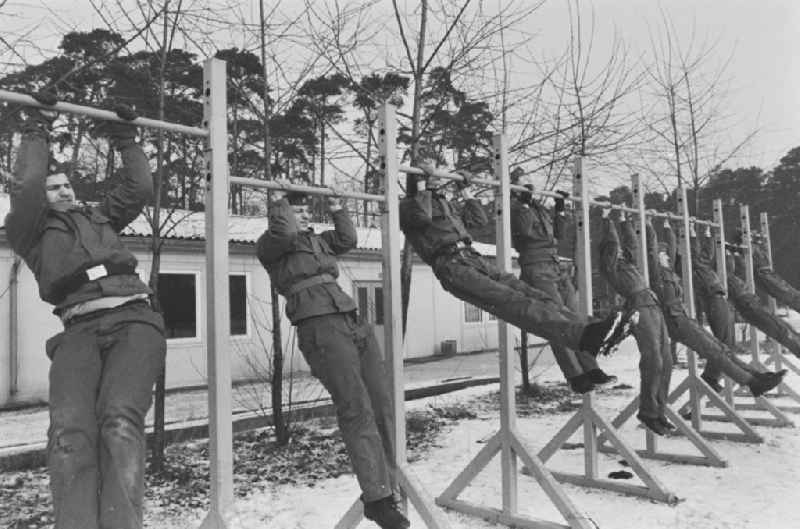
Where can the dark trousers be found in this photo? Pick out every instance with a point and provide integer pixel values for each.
(777, 287)
(101, 383)
(475, 280)
(546, 276)
(690, 333)
(655, 361)
(753, 312)
(344, 355)
(720, 319)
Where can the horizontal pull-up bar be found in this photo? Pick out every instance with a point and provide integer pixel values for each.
(310, 190)
(97, 113)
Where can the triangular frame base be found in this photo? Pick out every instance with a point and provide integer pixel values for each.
(509, 444)
(590, 421)
(709, 456)
(412, 490)
(693, 382)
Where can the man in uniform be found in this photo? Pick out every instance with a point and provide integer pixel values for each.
(535, 237)
(666, 284)
(752, 310)
(439, 236)
(618, 265)
(106, 360)
(341, 350)
(769, 281)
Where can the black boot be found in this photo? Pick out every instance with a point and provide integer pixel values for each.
(598, 377)
(596, 335)
(385, 513)
(714, 383)
(653, 424)
(666, 424)
(763, 382)
(581, 383)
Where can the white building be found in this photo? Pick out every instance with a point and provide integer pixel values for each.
(434, 315)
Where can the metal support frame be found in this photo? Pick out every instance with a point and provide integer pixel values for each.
(220, 425)
(507, 441)
(708, 455)
(587, 417)
(693, 384)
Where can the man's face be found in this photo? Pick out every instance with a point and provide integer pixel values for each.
(302, 215)
(663, 259)
(60, 194)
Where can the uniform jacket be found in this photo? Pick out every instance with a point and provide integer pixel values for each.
(534, 232)
(60, 246)
(620, 268)
(291, 256)
(705, 276)
(663, 280)
(431, 223)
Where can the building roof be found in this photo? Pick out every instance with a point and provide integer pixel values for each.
(190, 225)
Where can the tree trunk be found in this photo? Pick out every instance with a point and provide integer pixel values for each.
(276, 382)
(411, 183)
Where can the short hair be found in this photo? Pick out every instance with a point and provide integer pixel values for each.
(297, 198)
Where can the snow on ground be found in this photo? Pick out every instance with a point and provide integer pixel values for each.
(758, 490)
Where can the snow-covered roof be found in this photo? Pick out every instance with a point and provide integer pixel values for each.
(191, 225)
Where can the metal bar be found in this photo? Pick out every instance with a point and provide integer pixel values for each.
(217, 308)
(311, 190)
(107, 115)
(508, 460)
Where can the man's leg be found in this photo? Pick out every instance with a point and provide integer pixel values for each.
(570, 298)
(374, 374)
(647, 334)
(695, 337)
(719, 319)
(778, 288)
(133, 348)
(72, 436)
(545, 281)
(665, 348)
(751, 309)
(328, 345)
(510, 299)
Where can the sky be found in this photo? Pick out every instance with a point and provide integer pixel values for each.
(762, 77)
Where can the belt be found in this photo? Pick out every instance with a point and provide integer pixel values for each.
(452, 249)
(310, 282)
(83, 316)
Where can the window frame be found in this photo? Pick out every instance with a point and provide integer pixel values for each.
(248, 326)
(466, 305)
(370, 285)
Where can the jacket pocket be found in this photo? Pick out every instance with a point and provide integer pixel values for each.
(52, 345)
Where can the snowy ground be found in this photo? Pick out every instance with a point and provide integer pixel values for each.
(758, 489)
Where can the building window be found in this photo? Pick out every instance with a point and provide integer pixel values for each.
(472, 314)
(492, 317)
(369, 298)
(237, 290)
(177, 294)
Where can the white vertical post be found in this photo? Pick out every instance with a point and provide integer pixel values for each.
(508, 459)
(217, 308)
(747, 246)
(392, 309)
(641, 227)
(722, 272)
(583, 255)
(773, 307)
(685, 248)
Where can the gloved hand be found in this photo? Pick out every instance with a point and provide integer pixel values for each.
(560, 201)
(116, 130)
(467, 179)
(40, 118)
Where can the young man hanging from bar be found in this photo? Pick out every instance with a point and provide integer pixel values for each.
(752, 310)
(439, 236)
(768, 280)
(534, 234)
(618, 266)
(711, 297)
(106, 360)
(341, 351)
(667, 286)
